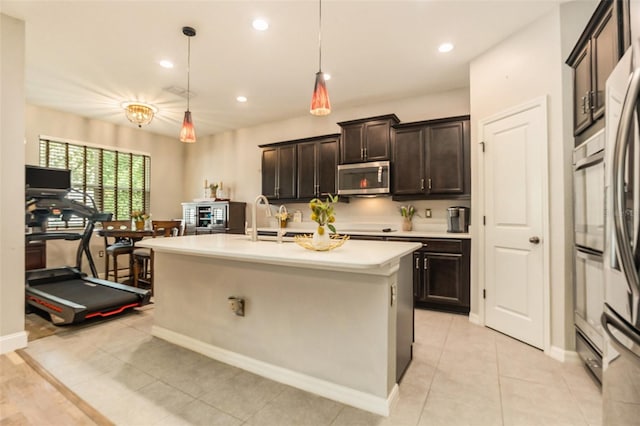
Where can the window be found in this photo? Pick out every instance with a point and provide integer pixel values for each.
(117, 181)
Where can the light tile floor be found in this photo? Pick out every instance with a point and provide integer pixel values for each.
(461, 374)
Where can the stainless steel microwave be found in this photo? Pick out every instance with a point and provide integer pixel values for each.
(364, 178)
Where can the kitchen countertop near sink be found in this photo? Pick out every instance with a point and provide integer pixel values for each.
(428, 231)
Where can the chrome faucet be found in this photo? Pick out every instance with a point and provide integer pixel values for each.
(254, 225)
(282, 213)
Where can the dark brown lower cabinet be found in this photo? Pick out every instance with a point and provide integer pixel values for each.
(441, 275)
(35, 255)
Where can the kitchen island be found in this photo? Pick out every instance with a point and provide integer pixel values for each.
(336, 323)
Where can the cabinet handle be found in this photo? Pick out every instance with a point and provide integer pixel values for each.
(429, 183)
(584, 104)
(426, 263)
(417, 263)
(592, 100)
(362, 153)
(587, 98)
(422, 184)
(425, 244)
(365, 153)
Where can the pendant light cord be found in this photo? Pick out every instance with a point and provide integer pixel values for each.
(188, 71)
(320, 38)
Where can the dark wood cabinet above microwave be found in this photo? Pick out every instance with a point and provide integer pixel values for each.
(366, 139)
(432, 159)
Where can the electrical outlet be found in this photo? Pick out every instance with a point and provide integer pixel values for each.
(427, 212)
(101, 253)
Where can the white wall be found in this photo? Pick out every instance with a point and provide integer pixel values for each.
(234, 157)
(12, 334)
(528, 65)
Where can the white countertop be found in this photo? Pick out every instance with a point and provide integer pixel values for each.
(355, 256)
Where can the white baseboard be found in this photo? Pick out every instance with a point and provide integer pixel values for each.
(12, 342)
(353, 397)
(474, 319)
(563, 355)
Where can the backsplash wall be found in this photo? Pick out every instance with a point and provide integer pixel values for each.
(377, 211)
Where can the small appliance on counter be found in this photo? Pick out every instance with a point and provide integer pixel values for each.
(458, 219)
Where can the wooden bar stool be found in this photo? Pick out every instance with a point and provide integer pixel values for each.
(115, 247)
(143, 257)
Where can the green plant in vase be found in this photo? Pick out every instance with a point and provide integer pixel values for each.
(407, 212)
(322, 212)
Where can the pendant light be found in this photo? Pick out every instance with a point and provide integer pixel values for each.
(320, 104)
(188, 133)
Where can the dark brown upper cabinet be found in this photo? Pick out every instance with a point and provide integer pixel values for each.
(593, 58)
(279, 172)
(317, 166)
(366, 139)
(432, 159)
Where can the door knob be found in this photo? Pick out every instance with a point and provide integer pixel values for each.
(534, 240)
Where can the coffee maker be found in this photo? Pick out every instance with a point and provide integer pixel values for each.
(458, 219)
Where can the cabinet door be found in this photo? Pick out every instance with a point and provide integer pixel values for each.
(307, 164)
(604, 51)
(269, 172)
(377, 136)
(35, 255)
(581, 91)
(327, 167)
(286, 176)
(443, 279)
(445, 159)
(351, 143)
(408, 166)
(418, 286)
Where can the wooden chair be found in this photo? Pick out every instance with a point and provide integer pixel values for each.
(117, 246)
(143, 257)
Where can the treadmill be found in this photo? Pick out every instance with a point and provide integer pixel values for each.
(67, 294)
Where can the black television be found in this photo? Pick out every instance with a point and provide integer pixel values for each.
(47, 182)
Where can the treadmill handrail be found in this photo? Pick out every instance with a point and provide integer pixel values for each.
(45, 236)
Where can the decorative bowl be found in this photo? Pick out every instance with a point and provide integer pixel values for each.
(306, 241)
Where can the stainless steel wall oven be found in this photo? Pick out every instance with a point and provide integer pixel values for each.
(588, 212)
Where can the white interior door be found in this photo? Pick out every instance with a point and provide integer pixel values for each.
(513, 245)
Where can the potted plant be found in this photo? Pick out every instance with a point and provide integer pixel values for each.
(139, 217)
(322, 212)
(407, 212)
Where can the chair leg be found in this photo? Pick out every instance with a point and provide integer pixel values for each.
(136, 271)
(106, 267)
(115, 268)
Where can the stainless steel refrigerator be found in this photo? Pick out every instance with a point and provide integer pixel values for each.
(621, 316)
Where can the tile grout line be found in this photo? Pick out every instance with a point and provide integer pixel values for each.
(81, 404)
(424, 403)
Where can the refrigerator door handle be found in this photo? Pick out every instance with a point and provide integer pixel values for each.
(622, 239)
(609, 322)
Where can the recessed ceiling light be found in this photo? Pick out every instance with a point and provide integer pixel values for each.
(445, 47)
(241, 99)
(260, 24)
(165, 63)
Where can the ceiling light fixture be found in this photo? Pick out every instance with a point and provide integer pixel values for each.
(241, 99)
(320, 104)
(165, 63)
(445, 47)
(139, 113)
(260, 24)
(188, 133)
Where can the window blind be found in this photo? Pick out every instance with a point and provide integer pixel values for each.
(117, 181)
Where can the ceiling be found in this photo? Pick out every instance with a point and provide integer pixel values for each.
(87, 57)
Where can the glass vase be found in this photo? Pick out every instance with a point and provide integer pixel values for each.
(321, 239)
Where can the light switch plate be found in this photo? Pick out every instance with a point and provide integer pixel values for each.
(427, 212)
